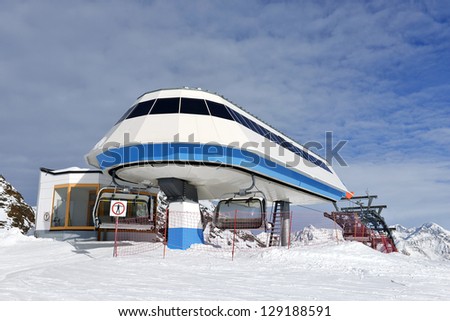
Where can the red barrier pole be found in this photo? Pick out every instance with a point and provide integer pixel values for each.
(290, 230)
(166, 227)
(115, 237)
(234, 236)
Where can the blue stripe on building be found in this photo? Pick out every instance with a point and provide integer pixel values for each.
(207, 154)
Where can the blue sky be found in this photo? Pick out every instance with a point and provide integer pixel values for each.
(376, 74)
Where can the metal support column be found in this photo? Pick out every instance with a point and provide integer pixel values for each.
(185, 225)
(285, 222)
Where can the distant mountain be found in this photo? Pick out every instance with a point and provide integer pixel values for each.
(14, 211)
(429, 240)
(311, 235)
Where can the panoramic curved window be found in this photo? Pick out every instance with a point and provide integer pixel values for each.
(193, 106)
(141, 109)
(206, 107)
(250, 124)
(166, 106)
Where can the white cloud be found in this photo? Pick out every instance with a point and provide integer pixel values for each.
(374, 74)
(438, 135)
(414, 192)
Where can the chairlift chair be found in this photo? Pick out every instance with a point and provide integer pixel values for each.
(240, 213)
(139, 208)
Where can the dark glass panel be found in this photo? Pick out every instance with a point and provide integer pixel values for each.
(253, 125)
(233, 114)
(271, 137)
(240, 119)
(218, 110)
(264, 132)
(290, 147)
(166, 106)
(141, 109)
(193, 106)
(245, 121)
(277, 138)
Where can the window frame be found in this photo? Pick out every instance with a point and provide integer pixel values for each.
(66, 226)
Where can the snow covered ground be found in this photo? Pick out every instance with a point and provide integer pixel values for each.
(314, 268)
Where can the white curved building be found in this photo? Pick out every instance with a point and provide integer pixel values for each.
(214, 145)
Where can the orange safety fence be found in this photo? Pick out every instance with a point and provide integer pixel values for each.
(136, 235)
(228, 234)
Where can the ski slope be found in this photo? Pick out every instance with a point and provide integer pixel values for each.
(316, 269)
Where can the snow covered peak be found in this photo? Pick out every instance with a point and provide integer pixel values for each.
(430, 240)
(401, 229)
(14, 211)
(432, 227)
(312, 235)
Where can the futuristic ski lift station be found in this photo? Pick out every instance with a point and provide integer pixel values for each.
(196, 145)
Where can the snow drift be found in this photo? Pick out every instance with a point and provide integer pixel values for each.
(315, 267)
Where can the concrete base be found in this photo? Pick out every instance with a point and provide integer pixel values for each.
(185, 225)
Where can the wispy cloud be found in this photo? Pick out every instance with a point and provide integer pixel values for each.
(415, 192)
(376, 73)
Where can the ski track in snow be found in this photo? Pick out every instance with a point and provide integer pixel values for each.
(42, 269)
